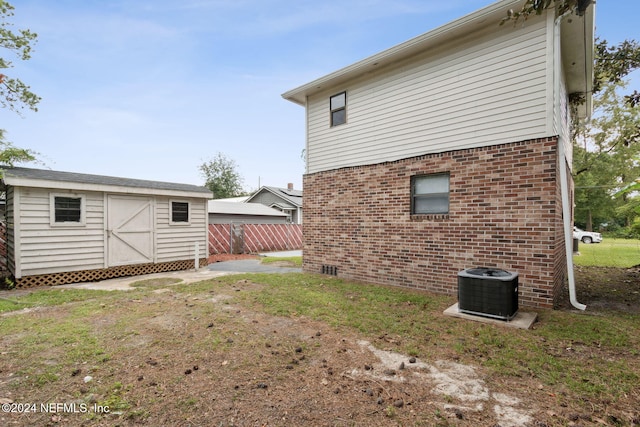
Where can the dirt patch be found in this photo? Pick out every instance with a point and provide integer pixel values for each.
(176, 359)
(230, 257)
(607, 289)
(201, 359)
(285, 264)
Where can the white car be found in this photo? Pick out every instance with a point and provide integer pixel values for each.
(586, 236)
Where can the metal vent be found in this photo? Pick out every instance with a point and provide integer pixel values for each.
(331, 270)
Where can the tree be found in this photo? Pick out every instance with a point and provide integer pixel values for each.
(10, 155)
(611, 63)
(14, 94)
(631, 209)
(536, 7)
(222, 177)
(606, 158)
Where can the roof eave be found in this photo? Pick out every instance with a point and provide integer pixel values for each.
(461, 26)
(578, 56)
(19, 181)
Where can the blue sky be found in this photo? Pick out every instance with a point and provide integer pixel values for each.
(151, 89)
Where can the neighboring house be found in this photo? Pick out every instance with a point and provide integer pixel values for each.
(224, 212)
(65, 227)
(286, 200)
(450, 151)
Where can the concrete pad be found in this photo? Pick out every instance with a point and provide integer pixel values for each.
(123, 283)
(522, 320)
(215, 269)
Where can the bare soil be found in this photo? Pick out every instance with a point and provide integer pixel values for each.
(201, 360)
(230, 257)
(607, 289)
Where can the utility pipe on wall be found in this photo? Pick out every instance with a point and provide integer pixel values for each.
(564, 178)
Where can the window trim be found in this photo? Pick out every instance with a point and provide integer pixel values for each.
(335, 110)
(414, 178)
(52, 210)
(171, 221)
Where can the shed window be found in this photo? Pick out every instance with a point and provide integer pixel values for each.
(179, 212)
(430, 194)
(67, 210)
(338, 106)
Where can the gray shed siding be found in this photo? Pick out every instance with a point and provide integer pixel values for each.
(9, 217)
(35, 247)
(39, 248)
(177, 242)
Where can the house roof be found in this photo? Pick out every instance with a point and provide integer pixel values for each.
(240, 199)
(255, 209)
(577, 50)
(27, 177)
(292, 196)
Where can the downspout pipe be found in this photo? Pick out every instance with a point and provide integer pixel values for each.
(564, 178)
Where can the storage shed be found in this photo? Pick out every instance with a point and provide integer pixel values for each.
(65, 227)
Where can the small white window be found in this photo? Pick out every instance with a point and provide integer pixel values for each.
(67, 210)
(338, 107)
(180, 213)
(430, 194)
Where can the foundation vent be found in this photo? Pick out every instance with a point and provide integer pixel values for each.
(331, 270)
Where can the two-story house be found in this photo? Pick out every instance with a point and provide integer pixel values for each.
(450, 151)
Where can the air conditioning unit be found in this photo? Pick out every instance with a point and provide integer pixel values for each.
(488, 292)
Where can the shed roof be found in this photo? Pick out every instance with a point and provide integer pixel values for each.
(43, 178)
(218, 207)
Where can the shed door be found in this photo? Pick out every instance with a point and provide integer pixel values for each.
(129, 230)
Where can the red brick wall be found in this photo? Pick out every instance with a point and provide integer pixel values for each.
(505, 212)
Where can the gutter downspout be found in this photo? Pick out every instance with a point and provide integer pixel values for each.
(564, 179)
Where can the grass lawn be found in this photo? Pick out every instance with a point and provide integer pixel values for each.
(293, 261)
(243, 350)
(623, 253)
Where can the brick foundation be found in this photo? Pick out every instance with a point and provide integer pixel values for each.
(505, 212)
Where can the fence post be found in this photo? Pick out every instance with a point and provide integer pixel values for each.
(196, 256)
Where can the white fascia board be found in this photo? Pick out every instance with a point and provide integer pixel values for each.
(78, 186)
(459, 27)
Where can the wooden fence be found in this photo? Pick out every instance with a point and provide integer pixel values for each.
(253, 238)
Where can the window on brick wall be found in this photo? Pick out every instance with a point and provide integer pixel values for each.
(430, 194)
(338, 106)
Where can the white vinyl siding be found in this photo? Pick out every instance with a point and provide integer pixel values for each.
(488, 90)
(36, 247)
(175, 243)
(44, 249)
